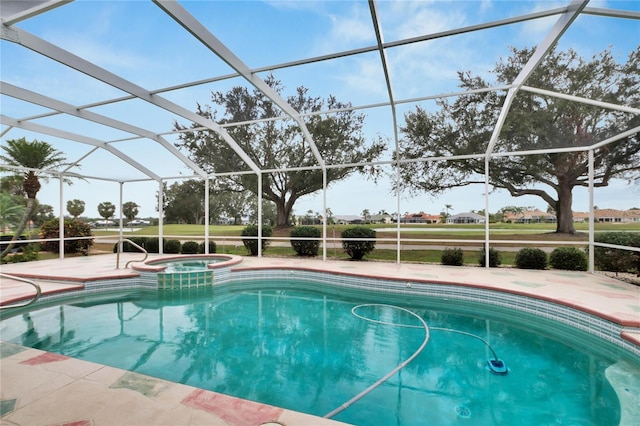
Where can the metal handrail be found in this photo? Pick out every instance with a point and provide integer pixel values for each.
(24, 280)
(146, 253)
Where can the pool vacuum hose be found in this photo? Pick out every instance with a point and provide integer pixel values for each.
(495, 365)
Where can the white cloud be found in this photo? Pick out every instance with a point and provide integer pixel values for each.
(351, 29)
(409, 19)
(486, 6)
(537, 29)
(104, 54)
(347, 30)
(366, 76)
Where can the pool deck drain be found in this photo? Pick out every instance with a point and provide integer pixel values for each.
(38, 389)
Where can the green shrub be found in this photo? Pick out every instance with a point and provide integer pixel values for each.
(171, 246)
(452, 257)
(141, 241)
(569, 259)
(306, 247)
(531, 258)
(190, 247)
(616, 260)
(494, 258)
(212, 247)
(72, 228)
(29, 252)
(152, 245)
(251, 244)
(357, 249)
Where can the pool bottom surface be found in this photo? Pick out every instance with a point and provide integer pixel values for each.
(306, 351)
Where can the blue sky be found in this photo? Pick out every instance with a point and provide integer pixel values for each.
(137, 41)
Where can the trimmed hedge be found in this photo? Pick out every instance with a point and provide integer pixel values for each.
(531, 258)
(452, 257)
(152, 245)
(616, 260)
(569, 259)
(190, 247)
(495, 258)
(212, 247)
(357, 249)
(252, 244)
(306, 247)
(171, 247)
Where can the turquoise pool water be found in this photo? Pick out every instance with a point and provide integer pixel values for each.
(188, 265)
(289, 344)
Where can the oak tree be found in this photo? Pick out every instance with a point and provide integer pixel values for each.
(275, 144)
(536, 121)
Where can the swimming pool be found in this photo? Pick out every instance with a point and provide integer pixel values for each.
(298, 345)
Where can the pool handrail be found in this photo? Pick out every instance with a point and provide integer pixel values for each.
(24, 280)
(120, 241)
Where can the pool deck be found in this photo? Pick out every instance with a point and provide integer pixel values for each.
(41, 388)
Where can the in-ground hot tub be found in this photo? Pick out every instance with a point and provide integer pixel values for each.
(187, 271)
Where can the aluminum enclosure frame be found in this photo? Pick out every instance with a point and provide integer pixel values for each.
(15, 12)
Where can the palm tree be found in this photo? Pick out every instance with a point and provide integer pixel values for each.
(75, 207)
(366, 214)
(34, 156)
(106, 210)
(447, 207)
(130, 211)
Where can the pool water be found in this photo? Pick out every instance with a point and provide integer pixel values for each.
(188, 265)
(288, 344)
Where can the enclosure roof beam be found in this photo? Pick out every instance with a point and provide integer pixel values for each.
(612, 13)
(16, 11)
(615, 107)
(353, 52)
(56, 53)
(200, 32)
(368, 49)
(561, 25)
(62, 134)
(385, 67)
(383, 56)
(47, 102)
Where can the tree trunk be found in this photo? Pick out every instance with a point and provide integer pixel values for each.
(23, 224)
(284, 208)
(564, 213)
(283, 213)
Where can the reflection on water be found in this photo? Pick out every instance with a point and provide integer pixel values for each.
(306, 351)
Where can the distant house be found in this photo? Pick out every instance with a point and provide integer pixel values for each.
(347, 219)
(530, 216)
(420, 218)
(466, 218)
(580, 217)
(380, 218)
(609, 216)
(104, 222)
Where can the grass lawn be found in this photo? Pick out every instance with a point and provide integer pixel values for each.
(472, 231)
(227, 238)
